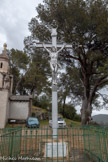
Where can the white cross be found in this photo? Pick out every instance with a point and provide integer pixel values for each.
(53, 53)
(53, 63)
(54, 42)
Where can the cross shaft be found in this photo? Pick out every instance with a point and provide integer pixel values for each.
(54, 46)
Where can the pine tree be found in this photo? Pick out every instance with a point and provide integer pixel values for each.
(84, 24)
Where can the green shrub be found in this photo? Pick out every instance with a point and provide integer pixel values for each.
(33, 114)
(77, 117)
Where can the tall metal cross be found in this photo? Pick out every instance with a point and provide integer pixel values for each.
(52, 50)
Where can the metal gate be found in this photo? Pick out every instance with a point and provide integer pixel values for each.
(83, 144)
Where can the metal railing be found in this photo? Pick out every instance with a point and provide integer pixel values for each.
(96, 143)
(10, 142)
(82, 144)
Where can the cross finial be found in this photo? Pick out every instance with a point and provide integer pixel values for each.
(5, 46)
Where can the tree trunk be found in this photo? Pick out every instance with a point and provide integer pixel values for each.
(17, 85)
(63, 112)
(86, 111)
(32, 93)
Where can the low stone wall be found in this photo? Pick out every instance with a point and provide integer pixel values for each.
(19, 110)
(4, 107)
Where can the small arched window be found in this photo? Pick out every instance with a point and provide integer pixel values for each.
(1, 65)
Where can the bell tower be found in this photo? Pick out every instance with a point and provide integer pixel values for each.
(4, 66)
(4, 61)
(5, 86)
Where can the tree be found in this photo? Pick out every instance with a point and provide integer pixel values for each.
(64, 92)
(85, 25)
(43, 102)
(69, 112)
(30, 73)
(37, 75)
(18, 65)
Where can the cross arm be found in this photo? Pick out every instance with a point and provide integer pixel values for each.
(64, 45)
(68, 46)
(41, 45)
(49, 45)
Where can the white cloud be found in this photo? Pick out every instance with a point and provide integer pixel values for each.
(94, 112)
(103, 111)
(14, 18)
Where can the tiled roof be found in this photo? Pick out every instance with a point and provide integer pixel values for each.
(20, 98)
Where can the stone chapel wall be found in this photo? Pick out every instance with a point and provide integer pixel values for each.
(4, 103)
(1, 80)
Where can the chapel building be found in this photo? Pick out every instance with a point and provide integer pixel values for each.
(14, 107)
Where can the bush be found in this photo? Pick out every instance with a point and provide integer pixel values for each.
(33, 114)
(42, 102)
(36, 101)
(77, 117)
(69, 111)
(94, 123)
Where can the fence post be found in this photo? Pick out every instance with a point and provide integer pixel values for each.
(84, 140)
(104, 139)
(11, 151)
(20, 140)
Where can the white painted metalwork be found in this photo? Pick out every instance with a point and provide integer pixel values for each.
(51, 48)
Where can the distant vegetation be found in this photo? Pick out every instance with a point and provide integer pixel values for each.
(66, 110)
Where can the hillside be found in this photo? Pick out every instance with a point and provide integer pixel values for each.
(100, 119)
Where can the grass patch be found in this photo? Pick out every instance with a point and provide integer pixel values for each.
(69, 123)
(15, 125)
(72, 123)
(44, 122)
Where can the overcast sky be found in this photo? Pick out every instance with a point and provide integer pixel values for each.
(14, 18)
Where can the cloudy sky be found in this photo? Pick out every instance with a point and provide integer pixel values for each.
(14, 18)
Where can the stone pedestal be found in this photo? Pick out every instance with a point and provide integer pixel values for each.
(55, 149)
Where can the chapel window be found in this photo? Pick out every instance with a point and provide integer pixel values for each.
(1, 65)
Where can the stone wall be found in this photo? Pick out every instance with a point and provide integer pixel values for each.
(4, 103)
(19, 110)
(1, 80)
